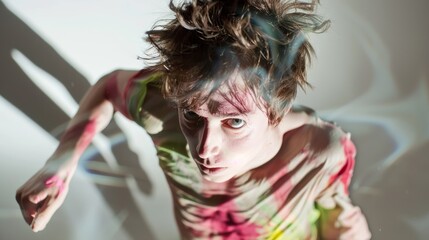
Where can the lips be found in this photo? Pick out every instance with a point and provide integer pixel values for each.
(211, 170)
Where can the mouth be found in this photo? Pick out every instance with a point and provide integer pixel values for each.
(211, 170)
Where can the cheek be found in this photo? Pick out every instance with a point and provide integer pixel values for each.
(245, 146)
(253, 143)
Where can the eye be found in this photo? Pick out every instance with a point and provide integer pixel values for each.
(190, 115)
(235, 123)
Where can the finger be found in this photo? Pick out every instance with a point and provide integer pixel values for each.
(358, 228)
(34, 185)
(343, 202)
(28, 199)
(42, 217)
(351, 233)
(351, 217)
(40, 196)
(45, 213)
(28, 209)
(39, 192)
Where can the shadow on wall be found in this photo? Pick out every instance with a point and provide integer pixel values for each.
(395, 202)
(19, 89)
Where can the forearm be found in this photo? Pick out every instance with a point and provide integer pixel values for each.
(44, 193)
(94, 113)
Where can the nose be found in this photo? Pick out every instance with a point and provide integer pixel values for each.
(208, 142)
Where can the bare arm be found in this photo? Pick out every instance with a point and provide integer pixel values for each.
(44, 193)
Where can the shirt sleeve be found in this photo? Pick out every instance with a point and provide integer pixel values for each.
(136, 92)
(339, 218)
(147, 107)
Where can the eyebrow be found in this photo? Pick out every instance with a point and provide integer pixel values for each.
(229, 114)
(227, 109)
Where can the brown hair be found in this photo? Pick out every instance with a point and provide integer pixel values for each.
(210, 39)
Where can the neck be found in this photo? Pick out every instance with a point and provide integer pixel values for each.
(291, 120)
(294, 119)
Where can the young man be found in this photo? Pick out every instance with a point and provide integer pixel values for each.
(240, 160)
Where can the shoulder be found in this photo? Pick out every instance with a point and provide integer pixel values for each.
(335, 139)
(116, 82)
(326, 140)
(121, 79)
(335, 150)
(122, 86)
(119, 75)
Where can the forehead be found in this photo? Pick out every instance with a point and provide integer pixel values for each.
(230, 97)
(230, 103)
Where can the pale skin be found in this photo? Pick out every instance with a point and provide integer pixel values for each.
(216, 137)
(37, 198)
(225, 142)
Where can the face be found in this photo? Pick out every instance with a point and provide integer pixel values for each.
(226, 143)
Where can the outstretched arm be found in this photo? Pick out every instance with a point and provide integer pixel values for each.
(44, 193)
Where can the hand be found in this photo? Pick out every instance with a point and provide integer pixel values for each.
(44, 193)
(354, 225)
(344, 222)
(352, 222)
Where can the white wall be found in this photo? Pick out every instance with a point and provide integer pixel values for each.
(370, 76)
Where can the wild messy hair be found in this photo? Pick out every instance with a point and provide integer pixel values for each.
(208, 40)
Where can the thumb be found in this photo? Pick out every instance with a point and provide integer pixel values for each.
(40, 196)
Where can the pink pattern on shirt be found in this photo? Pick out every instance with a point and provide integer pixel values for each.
(225, 221)
(281, 186)
(345, 174)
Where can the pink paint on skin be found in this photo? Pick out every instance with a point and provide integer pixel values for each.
(76, 130)
(88, 134)
(55, 181)
(84, 131)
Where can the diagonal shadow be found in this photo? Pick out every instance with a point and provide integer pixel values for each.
(18, 89)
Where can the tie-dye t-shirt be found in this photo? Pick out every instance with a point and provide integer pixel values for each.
(281, 199)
